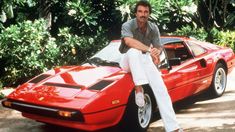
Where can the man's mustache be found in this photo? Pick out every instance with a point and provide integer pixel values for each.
(143, 17)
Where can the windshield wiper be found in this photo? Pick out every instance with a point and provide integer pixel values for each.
(100, 62)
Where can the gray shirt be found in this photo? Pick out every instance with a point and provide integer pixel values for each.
(131, 29)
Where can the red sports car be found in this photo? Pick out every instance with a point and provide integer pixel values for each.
(99, 94)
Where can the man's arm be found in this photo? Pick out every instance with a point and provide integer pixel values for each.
(156, 40)
(154, 51)
(133, 43)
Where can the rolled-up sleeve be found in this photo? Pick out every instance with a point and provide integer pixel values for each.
(156, 39)
(126, 30)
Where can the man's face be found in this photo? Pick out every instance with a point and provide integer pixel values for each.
(142, 13)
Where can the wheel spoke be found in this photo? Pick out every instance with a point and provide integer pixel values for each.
(220, 80)
(144, 113)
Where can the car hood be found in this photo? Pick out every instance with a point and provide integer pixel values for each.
(72, 87)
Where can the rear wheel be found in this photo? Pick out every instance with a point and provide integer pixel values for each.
(219, 81)
(135, 118)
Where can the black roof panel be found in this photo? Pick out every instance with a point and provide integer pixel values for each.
(170, 39)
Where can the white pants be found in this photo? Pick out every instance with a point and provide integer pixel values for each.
(144, 71)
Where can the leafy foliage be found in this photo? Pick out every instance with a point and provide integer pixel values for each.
(26, 49)
(216, 13)
(84, 16)
(6, 8)
(225, 38)
(168, 14)
(1, 95)
(75, 49)
(109, 18)
(198, 33)
(29, 45)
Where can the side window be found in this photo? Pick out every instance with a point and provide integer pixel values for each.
(177, 50)
(196, 48)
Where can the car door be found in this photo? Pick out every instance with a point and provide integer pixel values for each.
(205, 68)
(181, 80)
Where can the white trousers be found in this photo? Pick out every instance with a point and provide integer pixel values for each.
(144, 71)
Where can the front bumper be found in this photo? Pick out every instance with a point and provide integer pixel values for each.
(84, 121)
(52, 112)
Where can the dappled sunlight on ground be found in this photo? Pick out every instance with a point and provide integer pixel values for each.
(206, 114)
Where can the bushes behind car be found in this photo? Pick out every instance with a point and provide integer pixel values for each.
(198, 33)
(223, 38)
(27, 49)
(76, 49)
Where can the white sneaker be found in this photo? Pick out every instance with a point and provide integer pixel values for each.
(139, 99)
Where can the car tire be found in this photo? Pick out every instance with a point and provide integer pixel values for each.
(219, 81)
(138, 119)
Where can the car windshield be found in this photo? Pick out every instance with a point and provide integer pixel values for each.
(110, 52)
(109, 55)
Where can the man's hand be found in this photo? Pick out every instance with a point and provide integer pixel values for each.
(154, 52)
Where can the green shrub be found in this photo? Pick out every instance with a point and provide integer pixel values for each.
(75, 49)
(26, 49)
(84, 16)
(225, 38)
(198, 33)
(66, 43)
(1, 96)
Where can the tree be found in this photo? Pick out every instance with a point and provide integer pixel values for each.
(168, 14)
(219, 14)
(6, 10)
(215, 13)
(45, 11)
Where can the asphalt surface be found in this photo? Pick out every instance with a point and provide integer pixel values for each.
(206, 114)
(199, 114)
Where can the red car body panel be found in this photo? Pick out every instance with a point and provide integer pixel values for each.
(85, 100)
(44, 94)
(101, 93)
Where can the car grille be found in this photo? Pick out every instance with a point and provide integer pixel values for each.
(43, 110)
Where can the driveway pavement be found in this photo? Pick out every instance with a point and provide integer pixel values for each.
(205, 115)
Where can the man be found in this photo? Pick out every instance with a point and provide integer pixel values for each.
(141, 47)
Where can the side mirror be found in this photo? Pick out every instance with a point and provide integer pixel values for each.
(174, 61)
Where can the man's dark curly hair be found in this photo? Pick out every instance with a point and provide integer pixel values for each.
(144, 3)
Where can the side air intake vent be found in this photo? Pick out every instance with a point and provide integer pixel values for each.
(100, 85)
(62, 85)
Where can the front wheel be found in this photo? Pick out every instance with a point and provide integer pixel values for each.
(219, 81)
(136, 118)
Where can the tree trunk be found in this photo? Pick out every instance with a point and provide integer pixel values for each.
(45, 11)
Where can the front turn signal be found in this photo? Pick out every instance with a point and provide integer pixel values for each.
(65, 113)
(7, 103)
